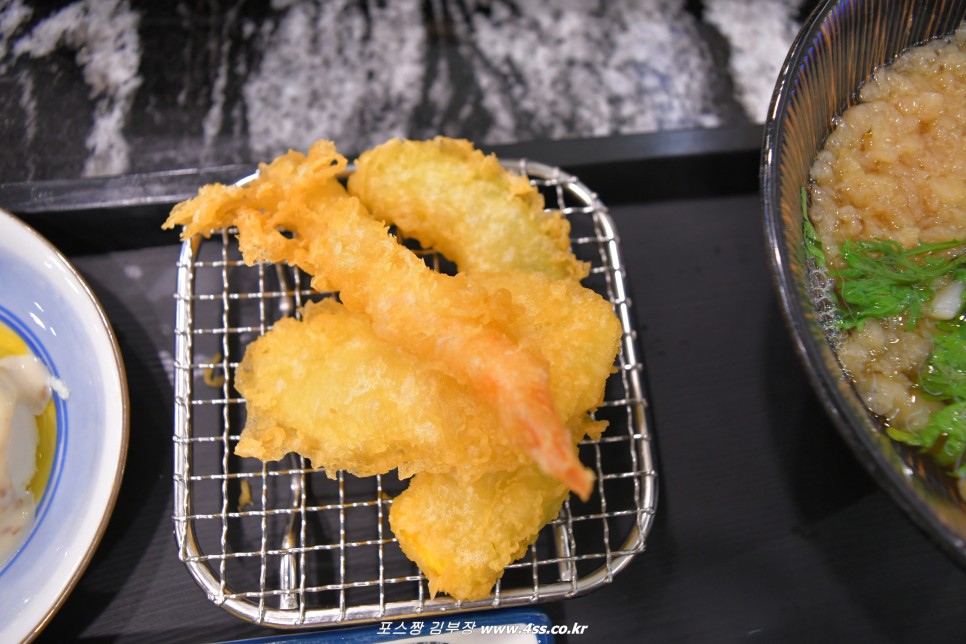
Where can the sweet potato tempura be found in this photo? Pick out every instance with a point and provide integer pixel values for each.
(443, 320)
(462, 536)
(478, 528)
(454, 199)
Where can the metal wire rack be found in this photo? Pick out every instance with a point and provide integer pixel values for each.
(231, 515)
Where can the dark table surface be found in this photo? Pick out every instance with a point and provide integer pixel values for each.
(767, 527)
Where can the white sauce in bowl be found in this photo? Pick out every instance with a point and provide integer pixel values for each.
(25, 389)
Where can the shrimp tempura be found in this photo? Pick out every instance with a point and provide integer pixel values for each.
(327, 388)
(443, 320)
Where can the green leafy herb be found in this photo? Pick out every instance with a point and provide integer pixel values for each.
(884, 280)
(943, 375)
(944, 436)
(944, 372)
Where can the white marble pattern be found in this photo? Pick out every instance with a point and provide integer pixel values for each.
(759, 33)
(197, 84)
(104, 35)
(330, 71)
(591, 69)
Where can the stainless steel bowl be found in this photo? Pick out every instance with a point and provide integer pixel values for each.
(842, 42)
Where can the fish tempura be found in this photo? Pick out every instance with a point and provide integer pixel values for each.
(328, 389)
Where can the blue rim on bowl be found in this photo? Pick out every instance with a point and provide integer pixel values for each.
(842, 42)
(49, 306)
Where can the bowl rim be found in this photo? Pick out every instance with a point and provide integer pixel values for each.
(809, 349)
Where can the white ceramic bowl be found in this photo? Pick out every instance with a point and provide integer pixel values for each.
(44, 299)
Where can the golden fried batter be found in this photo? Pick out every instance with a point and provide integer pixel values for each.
(327, 388)
(463, 382)
(462, 536)
(476, 529)
(443, 320)
(463, 549)
(571, 326)
(454, 199)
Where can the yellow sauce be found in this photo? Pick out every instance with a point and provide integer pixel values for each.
(12, 344)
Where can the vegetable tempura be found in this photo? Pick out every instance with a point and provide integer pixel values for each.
(462, 536)
(454, 199)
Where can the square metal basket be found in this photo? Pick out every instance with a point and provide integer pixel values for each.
(231, 514)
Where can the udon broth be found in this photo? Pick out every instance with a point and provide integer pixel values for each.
(894, 168)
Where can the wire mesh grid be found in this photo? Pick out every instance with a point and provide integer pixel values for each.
(343, 566)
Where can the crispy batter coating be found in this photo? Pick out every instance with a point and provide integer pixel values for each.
(571, 326)
(463, 382)
(462, 536)
(454, 199)
(477, 529)
(329, 389)
(464, 549)
(441, 319)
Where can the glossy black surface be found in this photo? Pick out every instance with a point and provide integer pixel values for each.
(109, 87)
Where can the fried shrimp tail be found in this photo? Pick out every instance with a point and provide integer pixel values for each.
(454, 199)
(477, 386)
(445, 321)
